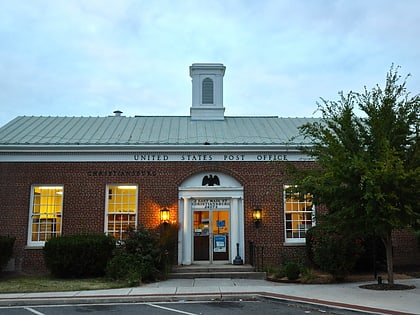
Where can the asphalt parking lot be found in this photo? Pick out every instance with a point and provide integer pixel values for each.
(258, 306)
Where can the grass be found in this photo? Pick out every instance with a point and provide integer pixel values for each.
(30, 283)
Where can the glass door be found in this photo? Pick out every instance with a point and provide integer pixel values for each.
(201, 230)
(220, 233)
(211, 235)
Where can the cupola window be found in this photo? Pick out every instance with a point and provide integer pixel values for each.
(207, 91)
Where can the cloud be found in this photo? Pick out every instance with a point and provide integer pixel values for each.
(91, 57)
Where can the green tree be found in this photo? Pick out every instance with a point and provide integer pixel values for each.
(369, 175)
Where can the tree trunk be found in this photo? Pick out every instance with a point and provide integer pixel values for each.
(389, 259)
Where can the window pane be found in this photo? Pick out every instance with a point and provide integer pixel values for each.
(207, 91)
(47, 204)
(298, 213)
(121, 210)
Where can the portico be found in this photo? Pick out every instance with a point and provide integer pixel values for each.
(211, 219)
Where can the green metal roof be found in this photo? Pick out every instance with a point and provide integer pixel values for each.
(151, 130)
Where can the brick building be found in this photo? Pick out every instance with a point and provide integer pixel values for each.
(213, 175)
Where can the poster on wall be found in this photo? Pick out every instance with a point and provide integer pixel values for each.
(220, 243)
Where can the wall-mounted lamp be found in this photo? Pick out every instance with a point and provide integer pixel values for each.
(164, 215)
(257, 215)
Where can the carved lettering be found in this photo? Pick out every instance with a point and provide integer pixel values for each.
(104, 173)
(272, 157)
(233, 157)
(151, 157)
(203, 157)
(196, 157)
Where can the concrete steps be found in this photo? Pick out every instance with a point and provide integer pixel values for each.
(216, 271)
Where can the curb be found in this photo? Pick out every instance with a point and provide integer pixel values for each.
(94, 299)
(332, 305)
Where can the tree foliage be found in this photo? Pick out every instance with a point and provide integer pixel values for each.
(332, 251)
(369, 173)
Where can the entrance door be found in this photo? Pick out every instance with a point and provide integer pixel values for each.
(211, 235)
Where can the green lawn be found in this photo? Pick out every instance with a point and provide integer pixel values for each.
(24, 283)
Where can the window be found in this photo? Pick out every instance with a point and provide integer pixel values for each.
(207, 91)
(121, 210)
(299, 214)
(45, 214)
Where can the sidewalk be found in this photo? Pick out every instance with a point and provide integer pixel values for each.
(346, 295)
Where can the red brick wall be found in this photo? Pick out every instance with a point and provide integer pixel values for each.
(85, 193)
(406, 248)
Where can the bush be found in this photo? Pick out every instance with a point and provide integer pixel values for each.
(125, 267)
(292, 271)
(145, 256)
(276, 272)
(169, 245)
(373, 257)
(308, 275)
(78, 256)
(332, 251)
(6, 250)
(417, 234)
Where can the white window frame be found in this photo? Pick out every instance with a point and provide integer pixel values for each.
(107, 205)
(32, 214)
(296, 240)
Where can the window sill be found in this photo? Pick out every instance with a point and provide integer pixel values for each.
(288, 244)
(34, 247)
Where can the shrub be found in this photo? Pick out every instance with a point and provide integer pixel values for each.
(296, 255)
(308, 275)
(292, 271)
(125, 267)
(276, 272)
(417, 234)
(78, 255)
(145, 244)
(145, 256)
(332, 251)
(6, 250)
(169, 245)
(373, 257)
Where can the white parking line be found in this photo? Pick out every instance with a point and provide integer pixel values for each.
(33, 311)
(171, 309)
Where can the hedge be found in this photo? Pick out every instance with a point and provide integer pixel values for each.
(78, 256)
(6, 250)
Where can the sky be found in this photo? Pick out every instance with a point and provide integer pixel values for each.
(92, 57)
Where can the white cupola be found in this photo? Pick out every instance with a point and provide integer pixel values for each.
(207, 91)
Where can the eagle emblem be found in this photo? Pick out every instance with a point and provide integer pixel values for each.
(210, 180)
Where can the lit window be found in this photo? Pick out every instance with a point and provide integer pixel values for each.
(207, 96)
(45, 214)
(298, 215)
(121, 210)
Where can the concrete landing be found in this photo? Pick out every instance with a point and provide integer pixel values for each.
(216, 271)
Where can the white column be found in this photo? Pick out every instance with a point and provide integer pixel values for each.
(241, 230)
(187, 233)
(234, 228)
(181, 230)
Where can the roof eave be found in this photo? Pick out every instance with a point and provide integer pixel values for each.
(150, 148)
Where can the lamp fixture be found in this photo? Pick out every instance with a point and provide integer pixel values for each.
(257, 216)
(164, 215)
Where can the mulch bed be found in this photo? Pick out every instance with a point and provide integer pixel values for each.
(387, 286)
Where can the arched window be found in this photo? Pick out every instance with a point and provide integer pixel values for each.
(207, 91)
